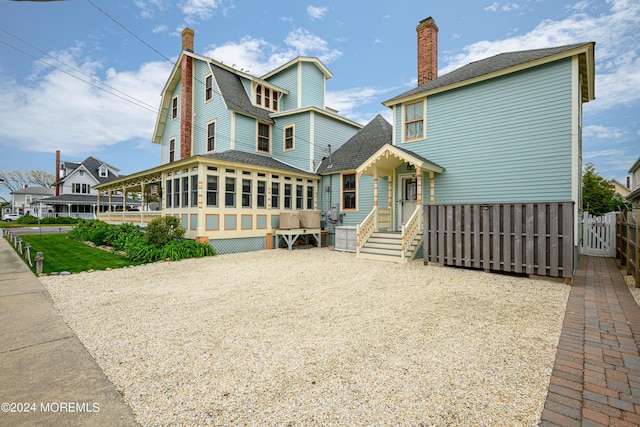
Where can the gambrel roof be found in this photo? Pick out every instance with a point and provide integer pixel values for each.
(235, 96)
(505, 63)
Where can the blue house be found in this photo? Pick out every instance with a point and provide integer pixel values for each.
(238, 150)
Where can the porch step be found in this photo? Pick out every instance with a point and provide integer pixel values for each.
(387, 246)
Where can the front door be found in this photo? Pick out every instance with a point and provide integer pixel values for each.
(408, 200)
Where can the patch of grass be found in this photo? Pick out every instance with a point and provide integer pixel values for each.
(62, 254)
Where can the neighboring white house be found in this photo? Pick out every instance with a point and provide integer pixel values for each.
(74, 192)
(26, 200)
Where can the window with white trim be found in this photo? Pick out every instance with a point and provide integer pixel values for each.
(262, 194)
(230, 193)
(246, 193)
(287, 196)
(349, 191)
(172, 150)
(208, 88)
(414, 121)
(212, 190)
(194, 190)
(174, 107)
(288, 138)
(211, 136)
(275, 195)
(264, 137)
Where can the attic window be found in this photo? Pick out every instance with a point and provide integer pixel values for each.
(103, 172)
(267, 98)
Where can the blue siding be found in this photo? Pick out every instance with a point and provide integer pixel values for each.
(299, 156)
(171, 129)
(313, 86)
(206, 112)
(503, 140)
(245, 136)
(329, 131)
(287, 79)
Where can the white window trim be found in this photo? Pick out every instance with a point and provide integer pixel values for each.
(293, 138)
(177, 114)
(258, 137)
(404, 118)
(205, 87)
(215, 131)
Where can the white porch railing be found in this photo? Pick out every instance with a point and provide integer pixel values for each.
(410, 230)
(365, 229)
(132, 217)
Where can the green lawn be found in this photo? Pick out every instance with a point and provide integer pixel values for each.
(62, 254)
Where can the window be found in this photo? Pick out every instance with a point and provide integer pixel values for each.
(211, 136)
(168, 196)
(185, 191)
(86, 188)
(81, 173)
(287, 196)
(208, 88)
(212, 190)
(78, 188)
(103, 172)
(262, 194)
(264, 137)
(299, 197)
(176, 192)
(246, 193)
(413, 122)
(174, 108)
(288, 138)
(309, 197)
(27, 198)
(194, 190)
(172, 150)
(275, 195)
(267, 98)
(349, 191)
(230, 193)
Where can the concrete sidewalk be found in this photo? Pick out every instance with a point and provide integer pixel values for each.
(47, 377)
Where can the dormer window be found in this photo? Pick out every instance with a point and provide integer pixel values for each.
(103, 172)
(267, 98)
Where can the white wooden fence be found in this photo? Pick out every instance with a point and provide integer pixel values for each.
(599, 234)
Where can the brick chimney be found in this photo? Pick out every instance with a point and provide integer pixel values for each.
(427, 50)
(186, 113)
(57, 172)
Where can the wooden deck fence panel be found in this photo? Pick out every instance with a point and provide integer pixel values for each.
(628, 243)
(532, 238)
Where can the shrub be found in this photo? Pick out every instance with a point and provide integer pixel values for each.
(27, 219)
(118, 236)
(162, 230)
(59, 220)
(86, 230)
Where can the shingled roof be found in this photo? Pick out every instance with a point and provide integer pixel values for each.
(359, 148)
(253, 159)
(486, 66)
(235, 96)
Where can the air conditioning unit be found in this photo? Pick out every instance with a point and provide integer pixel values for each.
(309, 219)
(334, 212)
(289, 220)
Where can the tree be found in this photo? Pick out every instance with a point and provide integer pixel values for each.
(16, 179)
(598, 197)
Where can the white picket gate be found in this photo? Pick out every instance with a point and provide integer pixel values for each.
(599, 234)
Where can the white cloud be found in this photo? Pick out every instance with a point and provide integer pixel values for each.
(506, 7)
(615, 31)
(316, 12)
(90, 119)
(260, 56)
(348, 101)
(603, 153)
(601, 132)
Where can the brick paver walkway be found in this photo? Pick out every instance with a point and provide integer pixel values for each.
(596, 376)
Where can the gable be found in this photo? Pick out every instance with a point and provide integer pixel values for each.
(506, 63)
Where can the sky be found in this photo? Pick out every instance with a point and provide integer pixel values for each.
(85, 76)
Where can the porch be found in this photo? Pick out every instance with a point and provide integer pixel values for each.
(393, 230)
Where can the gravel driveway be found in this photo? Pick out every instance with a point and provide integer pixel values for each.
(317, 337)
